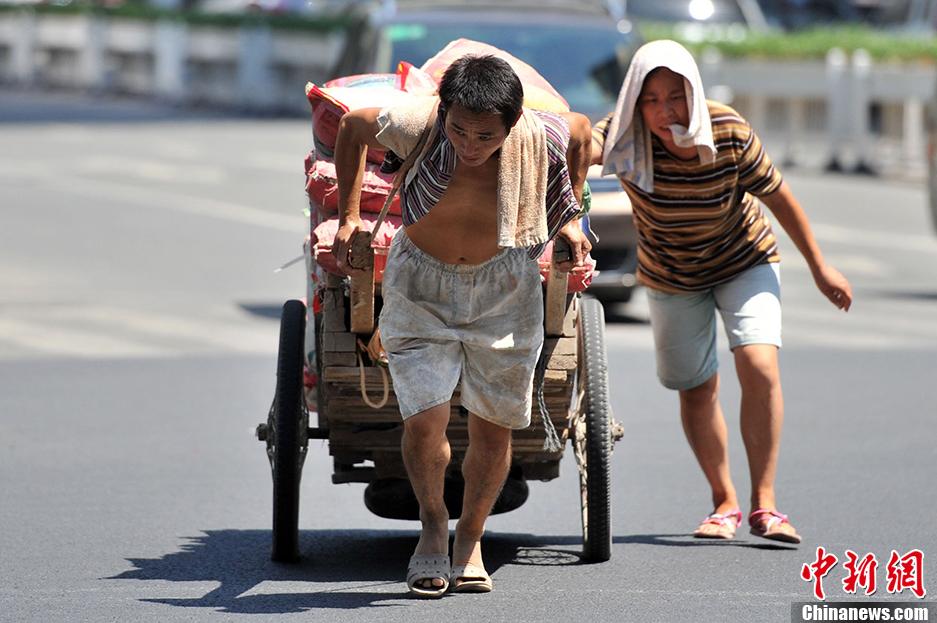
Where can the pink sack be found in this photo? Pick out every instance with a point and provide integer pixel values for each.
(579, 278)
(538, 94)
(336, 97)
(330, 103)
(322, 187)
(324, 235)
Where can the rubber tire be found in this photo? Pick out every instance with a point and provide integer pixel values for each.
(597, 531)
(290, 440)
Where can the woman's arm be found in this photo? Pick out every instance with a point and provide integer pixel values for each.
(793, 219)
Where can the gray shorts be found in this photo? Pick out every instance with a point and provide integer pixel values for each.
(685, 324)
(481, 323)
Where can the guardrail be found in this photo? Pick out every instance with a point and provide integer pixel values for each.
(252, 67)
(844, 113)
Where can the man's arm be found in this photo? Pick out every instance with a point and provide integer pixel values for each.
(599, 136)
(793, 219)
(579, 150)
(578, 157)
(356, 133)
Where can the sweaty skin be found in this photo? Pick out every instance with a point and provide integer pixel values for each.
(462, 227)
(663, 102)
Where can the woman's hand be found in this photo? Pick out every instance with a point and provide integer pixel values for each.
(834, 286)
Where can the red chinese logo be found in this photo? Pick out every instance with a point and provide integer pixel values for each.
(861, 573)
(903, 572)
(816, 570)
(906, 572)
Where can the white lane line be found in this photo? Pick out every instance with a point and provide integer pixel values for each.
(917, 326)
(225, 336)
(851, 264)
(923, 243)
(50, 339)
(16, 170)
(809, 334)
(807, 337)
(121, 333)
(152, 169)
(275, 162)
(180, 202)
(161, 198)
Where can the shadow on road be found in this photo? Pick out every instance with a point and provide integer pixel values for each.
(239, 561)
(908, 295)
(271, 311)
(622, 315)
(686, 540)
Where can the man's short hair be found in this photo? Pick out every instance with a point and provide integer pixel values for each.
(483, 84)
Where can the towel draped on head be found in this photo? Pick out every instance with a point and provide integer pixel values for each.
(522, 175)
(628, 151)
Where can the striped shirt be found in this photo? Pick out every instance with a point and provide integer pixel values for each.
(702, 226)
(435, 170)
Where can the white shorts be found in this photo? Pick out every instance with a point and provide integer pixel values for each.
(684, 325)
(480, 323)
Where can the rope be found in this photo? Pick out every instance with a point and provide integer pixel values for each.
(364, 390)
(551, 442)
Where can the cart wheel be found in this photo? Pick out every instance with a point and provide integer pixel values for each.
(592, 433)
(287, 438)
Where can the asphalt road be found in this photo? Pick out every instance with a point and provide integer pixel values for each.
(137, 352)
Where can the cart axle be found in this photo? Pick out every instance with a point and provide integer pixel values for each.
(312, 432)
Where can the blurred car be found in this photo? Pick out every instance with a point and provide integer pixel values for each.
(580, 48)
(910, 15)
(905, 15)
(800, 14)
(695, 19)
(305, 8)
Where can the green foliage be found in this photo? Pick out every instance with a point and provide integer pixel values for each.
(140, 11)
(882, 45)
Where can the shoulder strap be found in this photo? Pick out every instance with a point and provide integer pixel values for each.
(406, 166)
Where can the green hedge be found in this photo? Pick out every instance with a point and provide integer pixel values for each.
(882, 45)
(137, 10)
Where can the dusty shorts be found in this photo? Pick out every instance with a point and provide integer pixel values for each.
(684, 325)
(482, 324)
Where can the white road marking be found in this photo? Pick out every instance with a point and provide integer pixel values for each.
(152, 169)
(922, 243)
(161, 198)
(180, 202)
(96, 332)
(44, 338)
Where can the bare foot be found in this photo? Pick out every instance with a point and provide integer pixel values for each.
(468, 569)
(466, 550)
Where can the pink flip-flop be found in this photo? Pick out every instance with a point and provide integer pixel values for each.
(727, 524)
(766, 523)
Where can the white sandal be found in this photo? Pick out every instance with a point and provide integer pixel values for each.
(428, 567)
(470, 578)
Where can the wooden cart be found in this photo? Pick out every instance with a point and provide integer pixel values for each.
(572, 383)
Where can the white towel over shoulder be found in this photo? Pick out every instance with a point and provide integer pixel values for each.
(522, 172)
(628, 152)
